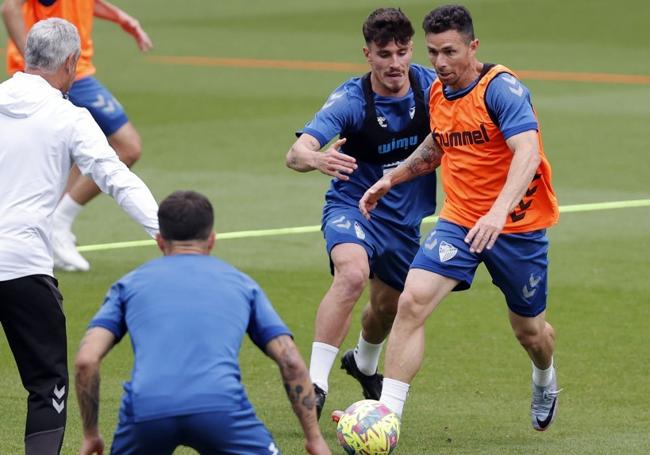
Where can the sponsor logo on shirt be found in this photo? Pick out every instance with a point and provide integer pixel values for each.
(396, 144)
(456, 138)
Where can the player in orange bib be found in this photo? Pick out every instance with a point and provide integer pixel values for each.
(19, 16)
(499, 201)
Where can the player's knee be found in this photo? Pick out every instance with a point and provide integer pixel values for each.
(351, 281)
(131, 152)
(128, 146)
(410, 307)
(385, 310)
(529, 338)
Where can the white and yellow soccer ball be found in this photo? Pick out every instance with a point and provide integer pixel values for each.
(368, 427)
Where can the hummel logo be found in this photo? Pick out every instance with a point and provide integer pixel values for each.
(333, 97)
(273, 450)
(59, 392)
(342, 223)
(531, 191)
(446, 251)
(431, 241)
(382, 122)
(534, 281)
(58, 407)
(528, 293)
(106, 106)
(519, 90)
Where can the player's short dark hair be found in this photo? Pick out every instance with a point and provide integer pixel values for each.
(185, 215)
(449, 17)
(387, 24)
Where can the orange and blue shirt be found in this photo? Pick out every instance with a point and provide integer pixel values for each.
(472, 126)
(78, 12)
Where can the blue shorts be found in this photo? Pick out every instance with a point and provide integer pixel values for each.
(517, 263)
(390, 248)
(223, 432)
(102, 105)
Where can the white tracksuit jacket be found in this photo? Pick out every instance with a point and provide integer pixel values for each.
(41, 136)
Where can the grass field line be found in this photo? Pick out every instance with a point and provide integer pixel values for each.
(316, 228)
(306, 65)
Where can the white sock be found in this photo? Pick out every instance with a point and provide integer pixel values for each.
(393, 395)
(366, 355)
(67, 211)
(320, 365)
(542, 378)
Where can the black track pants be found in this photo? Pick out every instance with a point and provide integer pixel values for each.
(31, 314)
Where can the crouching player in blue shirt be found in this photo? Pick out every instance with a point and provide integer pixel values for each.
(187, 314)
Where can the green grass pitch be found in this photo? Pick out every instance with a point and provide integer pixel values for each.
(224, 131)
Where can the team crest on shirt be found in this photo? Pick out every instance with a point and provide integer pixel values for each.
(359, 231)
(412, 112)
(446, 251)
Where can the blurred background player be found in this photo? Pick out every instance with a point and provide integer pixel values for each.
(380, 119)
(498, 203)
(19, 16)
(43, 134)
(186, 314)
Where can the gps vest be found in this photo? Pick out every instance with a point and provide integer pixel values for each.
(376, 144)
(476, 160)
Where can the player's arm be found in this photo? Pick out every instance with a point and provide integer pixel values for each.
(94, 346)
(12, 15)
(305, 155)
(525, 161)
(96, 159)
(300, 390)
(509, 99)
(107, 11)
(424, 159)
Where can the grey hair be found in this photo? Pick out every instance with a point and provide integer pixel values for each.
(49, 43)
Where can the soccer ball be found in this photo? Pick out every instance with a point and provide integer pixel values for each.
(368, 427)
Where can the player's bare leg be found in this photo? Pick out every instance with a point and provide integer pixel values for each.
(376, 321)
(79, 191)
(423, 292)
(378, 315)
(351, 272)
(538, 339)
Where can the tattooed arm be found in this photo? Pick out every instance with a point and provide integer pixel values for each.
(424, 159)
(94, 346)
(300, 390)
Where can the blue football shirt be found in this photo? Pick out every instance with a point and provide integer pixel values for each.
(344, 112)
(187, 316)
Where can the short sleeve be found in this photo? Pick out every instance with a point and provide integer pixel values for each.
(343, 111)
(111, 316)
(509, 101)
(265, 323)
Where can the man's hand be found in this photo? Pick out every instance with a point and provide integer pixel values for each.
(317, 446)
(133, 28)
(371, 197)
(92, 445)
(485, 232)
(334, 163)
